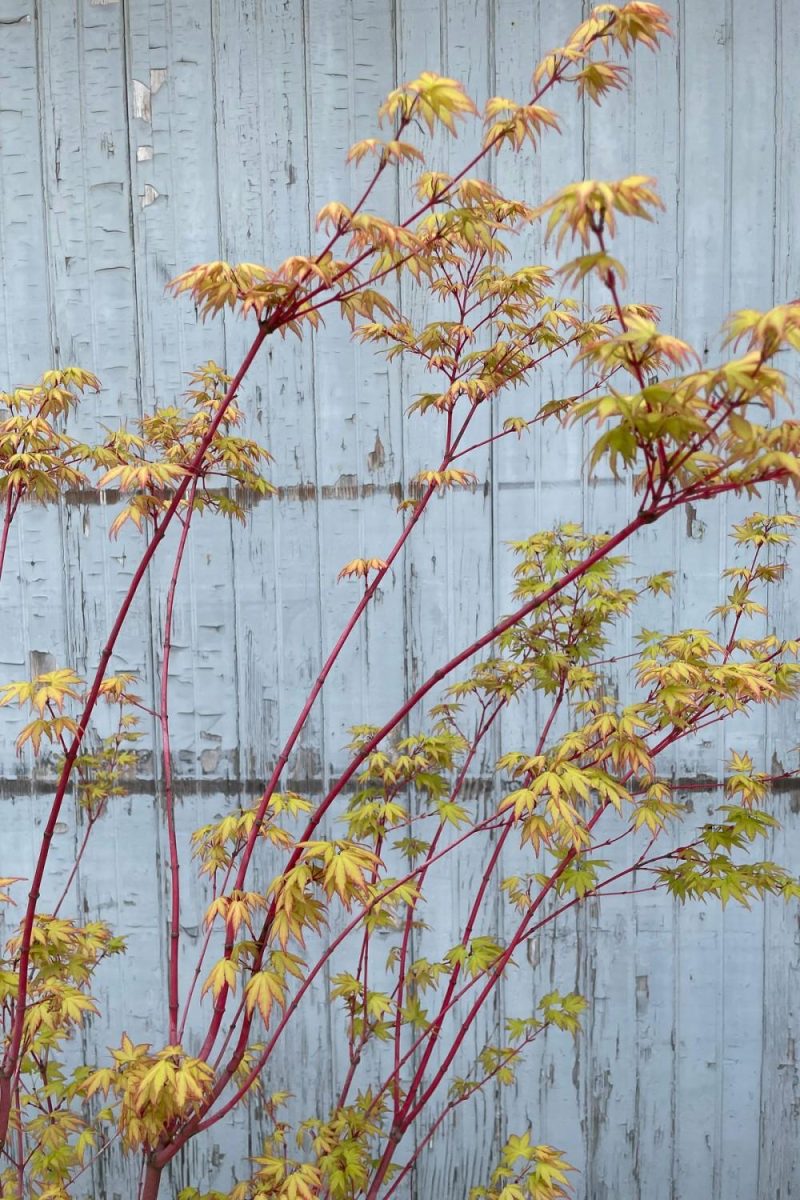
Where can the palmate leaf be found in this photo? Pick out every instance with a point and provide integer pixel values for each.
(359, 568)
(51, 688)
(264, 990)
(224, 974)
(434, 98)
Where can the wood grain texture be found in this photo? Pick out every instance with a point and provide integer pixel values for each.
(140, 137)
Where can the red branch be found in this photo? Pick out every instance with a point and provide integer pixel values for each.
(10, 1059)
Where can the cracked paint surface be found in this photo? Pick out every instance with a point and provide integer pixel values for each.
(140, 138)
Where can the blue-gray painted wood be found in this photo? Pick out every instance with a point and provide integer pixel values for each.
(141, 136)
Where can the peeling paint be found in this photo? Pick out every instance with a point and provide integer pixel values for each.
(149, 195)
(41, 661)
(158, 77)
(140, 93)
(209, 760)
(695, 528)
(347, 487)
(642, 994)
(377, 455)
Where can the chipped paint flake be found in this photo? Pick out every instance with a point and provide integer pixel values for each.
(141, 101)
(144, 153)
(209, 760)
(158, 76)
(377, 456)
(149, 195)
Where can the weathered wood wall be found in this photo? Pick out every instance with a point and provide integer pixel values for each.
(141, 136)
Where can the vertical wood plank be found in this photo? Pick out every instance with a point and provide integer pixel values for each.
(704, 48)
(449, 580)
(745, 961)
(779, 1100)
(537, 488)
